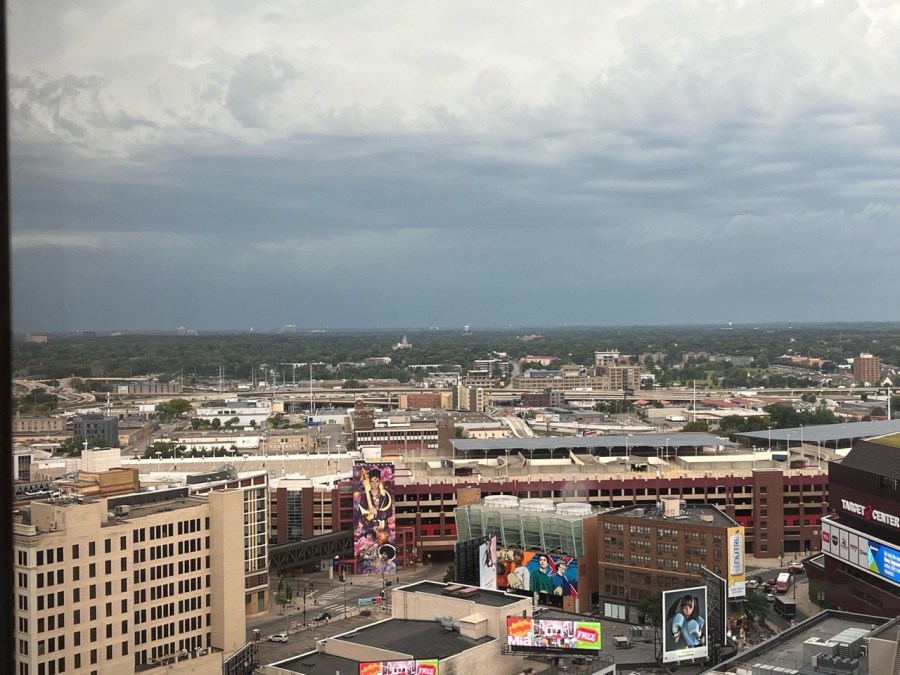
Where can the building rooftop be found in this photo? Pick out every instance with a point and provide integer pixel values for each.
(317, 663)
(419, 639)
(703, 514)
(875, 457)
(674, 440)
(786, 650)
(825, 433)
(484, 597)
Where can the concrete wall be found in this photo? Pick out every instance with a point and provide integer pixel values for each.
(426, 606)
(229, 624)
(359, 652)
(881, 655)
(485, 658)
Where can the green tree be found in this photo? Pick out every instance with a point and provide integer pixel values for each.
(649, 605)
(164, 449)
(70, 447)
(174, 409)
(450, 574)
(351, 384)
(699, 425)
(756, 607)
(282, 596)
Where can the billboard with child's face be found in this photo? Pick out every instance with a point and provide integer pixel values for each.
(685, 631)
(537, 572)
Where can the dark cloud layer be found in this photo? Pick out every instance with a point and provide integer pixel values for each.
(692, 170)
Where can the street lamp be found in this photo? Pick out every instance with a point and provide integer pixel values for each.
(667, 449)
(337, 563)
(770, 439)
(328, 442)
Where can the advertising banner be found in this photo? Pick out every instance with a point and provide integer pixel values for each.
(374, 522)
(537, 572)
(685, 631)
(525, 634)
(423, 667)
(737, 579)
(487, 557)
(874, 555)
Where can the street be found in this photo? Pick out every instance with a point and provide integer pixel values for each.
(326, 595)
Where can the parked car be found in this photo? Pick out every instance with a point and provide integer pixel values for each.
(795, 568)
(770, 597)
(752, 583)
(322, 616)
(278, 637)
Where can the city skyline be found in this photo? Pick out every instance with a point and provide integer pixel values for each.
(222, 167)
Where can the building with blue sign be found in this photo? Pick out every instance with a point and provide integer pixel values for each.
(861, 534)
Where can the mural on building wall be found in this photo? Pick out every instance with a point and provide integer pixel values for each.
(537, 572)
(374, 522)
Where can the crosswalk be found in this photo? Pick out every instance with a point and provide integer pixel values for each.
(327, 601)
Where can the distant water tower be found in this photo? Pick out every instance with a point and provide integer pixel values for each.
(465, 329)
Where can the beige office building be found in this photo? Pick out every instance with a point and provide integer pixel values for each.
(146, 582)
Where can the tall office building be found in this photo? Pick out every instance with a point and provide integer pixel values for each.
(867, 368)
(132, 583)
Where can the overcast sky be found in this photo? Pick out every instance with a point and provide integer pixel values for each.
(225, 164)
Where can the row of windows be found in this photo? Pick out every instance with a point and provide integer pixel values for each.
(189, 546)
(52, 622)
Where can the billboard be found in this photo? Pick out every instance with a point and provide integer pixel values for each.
(487, 555)
(424, 667)
(374, 522)
(524, 634)
(737, 579)
(537, 572)
(874, 555)
(684, 624)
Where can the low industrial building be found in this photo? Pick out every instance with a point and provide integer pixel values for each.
(830, 642)
(461, 628)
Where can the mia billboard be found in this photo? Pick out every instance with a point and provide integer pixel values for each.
(685, 630)
(525, 634)
(374, 521)
(423, 667)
